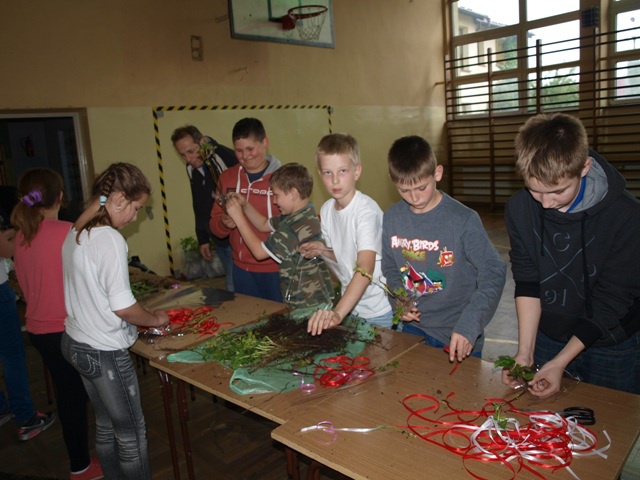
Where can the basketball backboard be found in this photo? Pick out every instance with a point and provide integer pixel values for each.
(306, 22)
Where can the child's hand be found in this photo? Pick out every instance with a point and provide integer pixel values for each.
(459, 347)
(162, 317)
(312, 249)
(508, 379)
(410, 312)
(322, 320)
(234, 209)
(547, 380)
(235, 197)
(8, 234)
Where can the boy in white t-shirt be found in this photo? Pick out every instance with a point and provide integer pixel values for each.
(352, 229)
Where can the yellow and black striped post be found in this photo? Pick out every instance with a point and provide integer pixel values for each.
(157, 112)
(165, 212)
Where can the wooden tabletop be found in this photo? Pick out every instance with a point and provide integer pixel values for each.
(214, 378)
(396, 453)
(241, 310)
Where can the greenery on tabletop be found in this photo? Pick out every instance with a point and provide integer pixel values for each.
(277, 340)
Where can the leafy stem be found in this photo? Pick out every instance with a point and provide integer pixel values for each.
(399, 294)
(501, 420)
(517, 371)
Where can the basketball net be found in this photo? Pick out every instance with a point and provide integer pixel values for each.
(307, 20)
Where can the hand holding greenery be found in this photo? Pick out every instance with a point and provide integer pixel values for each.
(522, 372)
(399, 294)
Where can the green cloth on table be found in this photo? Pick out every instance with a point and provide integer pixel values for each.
(280, 378)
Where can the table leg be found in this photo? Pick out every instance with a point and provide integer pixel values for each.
(293, 468)
(165, 386)
(313, 473)
(182, 414)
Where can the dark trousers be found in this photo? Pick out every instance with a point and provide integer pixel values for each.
(615, 366)
(71, 398)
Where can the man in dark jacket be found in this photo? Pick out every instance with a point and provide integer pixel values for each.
(575, 256)
(204, 166)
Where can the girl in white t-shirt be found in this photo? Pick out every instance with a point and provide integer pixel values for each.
(102, 315)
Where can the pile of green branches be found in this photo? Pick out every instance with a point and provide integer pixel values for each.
(278, 340)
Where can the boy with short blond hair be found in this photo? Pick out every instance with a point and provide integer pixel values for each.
(351, 225)
(438, 251)
(573, 221)
(303, 282)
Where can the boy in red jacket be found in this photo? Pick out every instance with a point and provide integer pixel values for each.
(250, 178)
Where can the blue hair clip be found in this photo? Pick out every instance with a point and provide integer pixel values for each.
(103, 200)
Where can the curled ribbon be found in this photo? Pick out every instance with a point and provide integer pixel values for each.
(199, 321)
(336, 371)
(546, 440)
(306, 388)
(327, 426)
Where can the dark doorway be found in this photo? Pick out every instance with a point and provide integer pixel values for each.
(52, 140)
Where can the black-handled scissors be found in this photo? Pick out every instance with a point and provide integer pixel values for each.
(582, 415)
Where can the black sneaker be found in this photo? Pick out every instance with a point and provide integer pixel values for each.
(39, 423)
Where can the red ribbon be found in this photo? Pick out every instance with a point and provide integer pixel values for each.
(455, 367)
(336, 371)
(542, 442)
(200, 320)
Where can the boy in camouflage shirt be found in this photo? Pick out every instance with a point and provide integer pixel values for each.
(303, 282)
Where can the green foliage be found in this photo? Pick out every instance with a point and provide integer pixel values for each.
(235, 351)
(281, 339)
(399, 294)
(517, 371)
(189, 244)
(386, 366)
(507, 53)
(142, 287)
(206, 151)
(501, 420)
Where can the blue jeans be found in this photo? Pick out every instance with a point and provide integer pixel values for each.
(112, 385)
(616, 366)
(385, 320)
(261, 285)
(71, 398)
(224, 254)
(12, 356)
(411, 329)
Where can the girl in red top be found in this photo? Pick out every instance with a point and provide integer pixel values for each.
(38, 265)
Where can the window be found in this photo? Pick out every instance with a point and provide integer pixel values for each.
(496, 49)
(625, 21)
(548, 8)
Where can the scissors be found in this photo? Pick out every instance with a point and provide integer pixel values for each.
(583, 415)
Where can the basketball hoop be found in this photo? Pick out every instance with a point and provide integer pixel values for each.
(308, 20)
